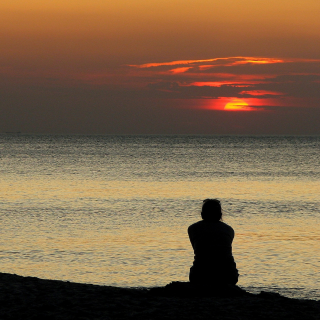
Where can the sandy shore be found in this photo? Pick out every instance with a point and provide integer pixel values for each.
(33, 298)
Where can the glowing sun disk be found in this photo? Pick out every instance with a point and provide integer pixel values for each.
(237, 105)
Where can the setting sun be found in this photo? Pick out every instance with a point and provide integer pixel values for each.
(237, 105)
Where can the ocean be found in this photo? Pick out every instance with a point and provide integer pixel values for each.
(114, 210)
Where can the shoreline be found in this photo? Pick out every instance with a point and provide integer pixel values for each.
(34, 298)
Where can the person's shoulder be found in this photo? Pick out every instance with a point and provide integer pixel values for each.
(195, 225)
(226, 226)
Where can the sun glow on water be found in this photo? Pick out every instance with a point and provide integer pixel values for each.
(95, 210)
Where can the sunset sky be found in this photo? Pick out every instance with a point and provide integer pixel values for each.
(160, 67)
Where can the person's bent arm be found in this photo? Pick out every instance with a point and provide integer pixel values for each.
(190, 236)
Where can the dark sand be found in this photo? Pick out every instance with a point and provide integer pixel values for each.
(33, 298)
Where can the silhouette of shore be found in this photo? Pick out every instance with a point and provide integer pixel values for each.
(33, 298)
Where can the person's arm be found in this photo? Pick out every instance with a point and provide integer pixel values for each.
(190, 235)
(231, 234)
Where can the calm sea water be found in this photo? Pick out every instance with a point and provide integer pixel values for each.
(114, 210)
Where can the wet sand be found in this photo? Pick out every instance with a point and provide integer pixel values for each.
(33, 298)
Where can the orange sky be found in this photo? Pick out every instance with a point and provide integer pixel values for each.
(143, 30)
(71, 66)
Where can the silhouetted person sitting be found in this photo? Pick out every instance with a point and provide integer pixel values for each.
(211, 240)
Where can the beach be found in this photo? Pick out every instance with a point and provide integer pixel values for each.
(34, 298)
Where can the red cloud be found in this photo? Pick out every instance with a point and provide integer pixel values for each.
(272, 82)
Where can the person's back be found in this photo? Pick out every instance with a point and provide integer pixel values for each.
(211, 240)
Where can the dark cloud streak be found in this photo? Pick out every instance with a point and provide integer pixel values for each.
(153, 101)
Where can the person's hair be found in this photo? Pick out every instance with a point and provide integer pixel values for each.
(211, 210)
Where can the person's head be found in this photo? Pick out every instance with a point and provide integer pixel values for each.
(211, 210)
